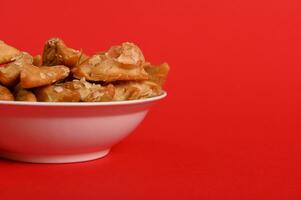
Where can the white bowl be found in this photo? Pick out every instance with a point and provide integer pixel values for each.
(41, 132)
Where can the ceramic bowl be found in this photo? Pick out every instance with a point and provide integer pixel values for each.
(41, 132)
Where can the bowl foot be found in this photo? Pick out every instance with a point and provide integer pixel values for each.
(69, 158)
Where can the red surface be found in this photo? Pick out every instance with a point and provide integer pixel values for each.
(230, 128)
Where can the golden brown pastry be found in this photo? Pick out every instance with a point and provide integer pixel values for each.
(24, 95)
(37, 60)
(91, 92)
(75, 91)
(157, 73)
(32, 76)
(10, 73)
(123, 62)
(57, 53)
(120, 73)
(7, 53)
(127, 54)
(57, 93)
(131, 90)
(5, 94)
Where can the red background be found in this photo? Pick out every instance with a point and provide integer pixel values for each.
(230, 127)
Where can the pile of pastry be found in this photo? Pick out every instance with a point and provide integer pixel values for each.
(64, 74)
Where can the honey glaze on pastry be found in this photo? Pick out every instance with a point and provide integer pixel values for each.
(64, 74)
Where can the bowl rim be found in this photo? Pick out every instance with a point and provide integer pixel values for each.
(80, 104)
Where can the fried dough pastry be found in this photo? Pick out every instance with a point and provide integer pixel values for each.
(75, 91)
(123, 62)
(157, 73)
(10, 73)
(5, 94)
(7, 53)
(91, 92)
(63, 74)
(24, 95)
(57, 93)
(57, 53)
(32, 76)
(37, 60)
(136, 90)
(127, 54)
